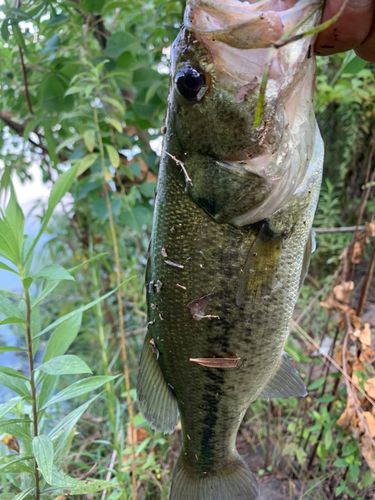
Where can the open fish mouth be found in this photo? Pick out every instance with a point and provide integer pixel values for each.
(246, 25)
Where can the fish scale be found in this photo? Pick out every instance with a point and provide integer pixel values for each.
(221, 293)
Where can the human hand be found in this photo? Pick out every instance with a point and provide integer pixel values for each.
(355, 29)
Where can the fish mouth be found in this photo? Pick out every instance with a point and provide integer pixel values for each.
(246, 25)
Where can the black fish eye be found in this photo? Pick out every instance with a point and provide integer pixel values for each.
(189, 81)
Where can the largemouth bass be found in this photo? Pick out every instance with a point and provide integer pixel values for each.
(231, 238)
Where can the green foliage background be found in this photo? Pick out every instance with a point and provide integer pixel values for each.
(83, 90)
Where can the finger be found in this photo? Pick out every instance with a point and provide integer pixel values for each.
(366, 50)
(350, 30)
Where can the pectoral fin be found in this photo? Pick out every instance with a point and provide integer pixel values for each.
(285, 382)
(156, 401)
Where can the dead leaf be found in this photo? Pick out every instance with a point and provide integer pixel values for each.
(130, 130)
(370, 387)
(370, 421)
(358, 251)
(358, 366)
(355, 322)
(345, 420)
(367, 356)
(151, 177)
(365, 335)
(367, 451)
(139, 434)
(197, 307)
(11, 442)
(338, 357)
(339, 298)
(370, 229)
(216, 362)
(342, 292)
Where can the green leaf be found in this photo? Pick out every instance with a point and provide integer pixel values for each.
(49, 289)
(341, 462)
(51, 143)
(89, 140)
(72, 486)
(115, 103)
(328, 439)
(91, 5)
(15, 218)
(62, 338)
(81, 309)
(368, 480)
(30, 127)
(148, 189)
(59, 189)
(8, 243)
(115, 123)
(5, 29)
(68, 142)
(14, 429)
(77, 389)
(9, 309)
(11, 320)
(59, 478)
(24, 493)
(47, 389)
(137, 218)
(135, 169)
(121, 42)
(7, 268)
(13, 464)
(114, 157)
(65, 365)
(17, 34)
(10, 349)
(147, 109)
(316, 384)
(53, 272)
(43, 451)
(59, 19)
(13, 373)
(64, 430)
(52, 89)
(86, 163)
(98, 256)
(75, 90)
(144, 78)
(89, 486)
(15, 385)
(8, 406)
(68, 422)
(354, 66)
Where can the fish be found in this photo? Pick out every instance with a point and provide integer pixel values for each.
(232, 233)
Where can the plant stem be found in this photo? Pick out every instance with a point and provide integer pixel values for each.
(32, 384)
(120, 308)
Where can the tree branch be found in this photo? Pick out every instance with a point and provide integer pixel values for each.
(27, 95)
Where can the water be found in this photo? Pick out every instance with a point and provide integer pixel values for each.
(16, 360)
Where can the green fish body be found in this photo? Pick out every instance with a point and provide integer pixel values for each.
(231, 239)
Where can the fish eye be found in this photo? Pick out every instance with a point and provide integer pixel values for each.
(189, 81)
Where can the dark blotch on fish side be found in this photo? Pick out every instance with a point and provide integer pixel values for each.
(210, 418)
